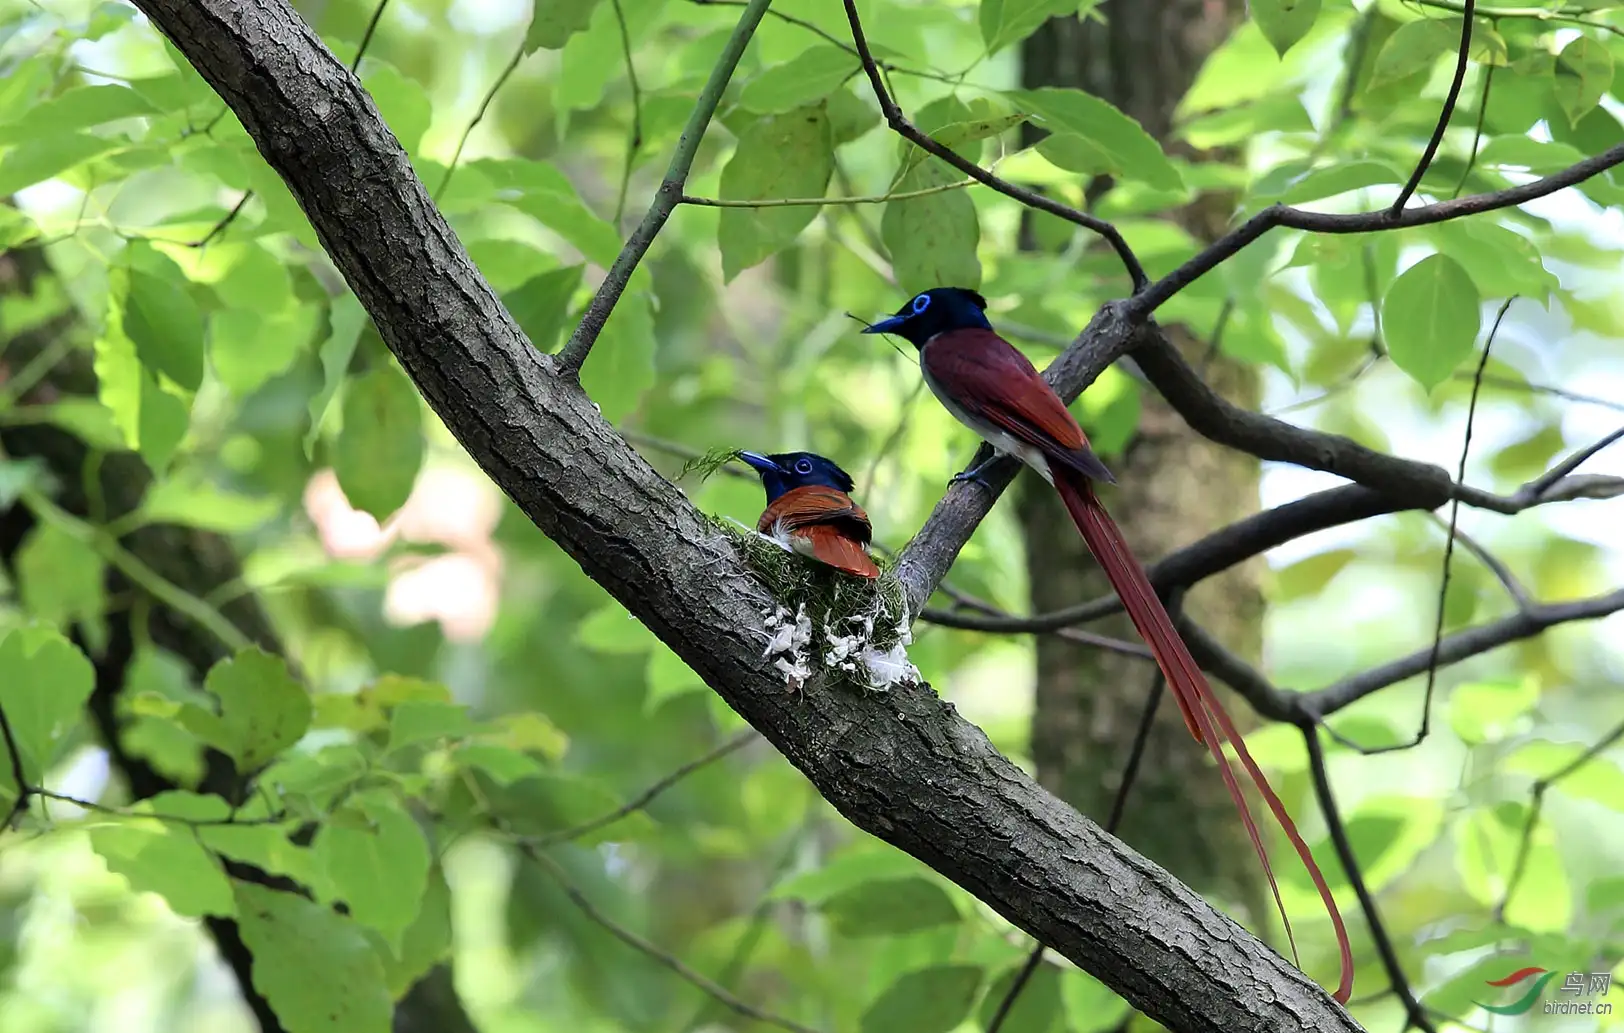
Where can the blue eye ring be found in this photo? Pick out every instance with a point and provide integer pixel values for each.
(803, 466)
(921, 303)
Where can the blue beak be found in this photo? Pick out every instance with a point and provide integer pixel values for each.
(760, 462)
(886, 326)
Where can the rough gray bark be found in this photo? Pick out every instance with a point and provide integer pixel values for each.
(901, 765)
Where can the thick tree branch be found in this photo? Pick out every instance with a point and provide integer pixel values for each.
(901, 765)
(666, 197)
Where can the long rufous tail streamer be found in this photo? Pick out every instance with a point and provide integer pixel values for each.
(1202, 712)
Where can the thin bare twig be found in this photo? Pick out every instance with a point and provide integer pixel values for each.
(1541, 484)
(908, 131)
(1502, 573)
(1536, 803)
(636, 143)
(576, 349)
(1443, 117)
(636, 942)
(479, 116)
(1477, 133)
(1449, 544)
(1414, 1017)
(643, 799)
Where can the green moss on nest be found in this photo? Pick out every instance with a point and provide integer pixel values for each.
(838, 605)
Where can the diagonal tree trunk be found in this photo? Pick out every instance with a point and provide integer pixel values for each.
(1174, 487)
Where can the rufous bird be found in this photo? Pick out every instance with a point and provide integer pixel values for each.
(990, 387)
(809, 512)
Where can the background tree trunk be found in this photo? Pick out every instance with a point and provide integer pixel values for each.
(1175, 486)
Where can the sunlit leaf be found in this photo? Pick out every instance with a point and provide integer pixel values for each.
(1486, 710)
(46, 157)
(263, 711)
(314, 966)
(1584, 71)
(380, 868)
(1431, 316)
(1004, 22)
(161, 318)
(61, 576)
(78, 108)
(426, 942)
(402, 102)
(1339, 179)
(345, 321)
(553, 22)
(418, 720)
(165, 858)
(1284, 22)
(44, 682)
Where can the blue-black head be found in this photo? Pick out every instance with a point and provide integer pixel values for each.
(785, 471)
(936, 311)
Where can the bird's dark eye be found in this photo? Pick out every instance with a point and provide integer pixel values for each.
(804, 466)
(921, 303)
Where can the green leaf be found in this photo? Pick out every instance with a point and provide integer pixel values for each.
(1413, 48)
(849, 118)
(1009, 21)
(1089, 1005)
(667, 676)
(1339, 179)
(888, 907)
(425, 944)
(263, 711)
(165, 858)
(187, 500)
(401, 101)
(1036, 1010)
(1584, 71)
(1488, 710)
(1431, 316)
(1575, 773)
(380, 868)
(161, 318)
(313, 965)
(811, 76)
(502, 763)
(554, 803)
(780, 156)
(420, 720)
(345, 320)
(553, 22)
(541, 304)
(1129, 151)
(77, 108)
(266, 847)
(956, 135)
(1501, 261)
(1284, 22)
(380, 450)
(542, 192)
(622, 365)
(1310, 575)
(927, 1000)
(247, 347)
(849, 869)
(44, 683)
(61, 577)
(611, 629)
(46, 157)
(932, 239)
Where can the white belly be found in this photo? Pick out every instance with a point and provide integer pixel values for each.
(999, 440)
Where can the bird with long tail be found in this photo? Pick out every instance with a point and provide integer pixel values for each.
(809, 512)
(990, 387)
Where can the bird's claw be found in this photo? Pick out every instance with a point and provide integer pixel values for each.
(973, 476)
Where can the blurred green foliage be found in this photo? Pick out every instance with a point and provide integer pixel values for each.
(453, 681)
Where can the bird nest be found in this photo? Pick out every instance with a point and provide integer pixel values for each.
(853, 629)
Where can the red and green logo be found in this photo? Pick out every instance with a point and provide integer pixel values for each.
(1526, 1001)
